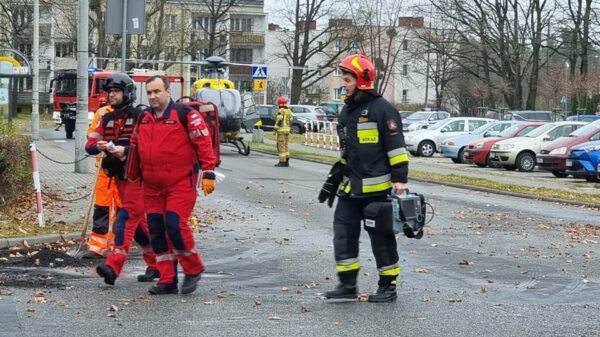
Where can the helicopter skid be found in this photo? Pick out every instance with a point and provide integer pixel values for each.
(242, 148)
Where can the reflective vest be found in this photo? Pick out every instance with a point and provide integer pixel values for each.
(283, 120)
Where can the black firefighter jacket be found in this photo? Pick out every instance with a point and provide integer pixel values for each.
(372, 146)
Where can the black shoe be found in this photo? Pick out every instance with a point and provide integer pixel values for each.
(280, 164)
(190, 282)
(149, 275)
(342, 291)
(385, 293)
(163, 288)
(108, 274)
(91, 255)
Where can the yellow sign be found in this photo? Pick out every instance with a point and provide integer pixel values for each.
(260, 85)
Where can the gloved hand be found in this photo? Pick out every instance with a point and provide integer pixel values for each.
(208, 182)
(331, 185)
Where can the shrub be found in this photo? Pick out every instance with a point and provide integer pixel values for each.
(15, 164)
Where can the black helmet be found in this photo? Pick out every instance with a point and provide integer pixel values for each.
(124, 83)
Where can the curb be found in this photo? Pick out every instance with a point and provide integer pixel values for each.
(7, 243)
(478, 188)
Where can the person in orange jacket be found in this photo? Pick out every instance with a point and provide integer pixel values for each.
(106, 202)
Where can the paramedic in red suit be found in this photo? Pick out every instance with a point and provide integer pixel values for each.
(171, 151)
(112, 136)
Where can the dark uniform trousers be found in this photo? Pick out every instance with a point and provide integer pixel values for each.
(346, 233)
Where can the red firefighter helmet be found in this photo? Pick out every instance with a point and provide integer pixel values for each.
(362, 68)
(282, 101)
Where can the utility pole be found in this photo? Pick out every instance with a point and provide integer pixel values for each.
(81, 123)
(123, 37)
(35, 94)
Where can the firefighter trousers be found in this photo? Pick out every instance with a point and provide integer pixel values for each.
(346, 233)
(282, 146)
(131, 224)
(107, 201)
(169, 207)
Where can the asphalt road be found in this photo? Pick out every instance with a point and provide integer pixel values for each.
(488, 265)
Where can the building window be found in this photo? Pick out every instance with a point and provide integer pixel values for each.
(338, 45)
(203, 23)
(25, 49)
(143, 53)
(24, 84)
(404, 70)
(337, 72)
(241, 25)
(23, 15)
(405, 96)
(241, 55)
(171, 22)
(64, 49)
(170, 53)
(404, 44)
(336, 94)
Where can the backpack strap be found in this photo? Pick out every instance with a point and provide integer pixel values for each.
(182, 112)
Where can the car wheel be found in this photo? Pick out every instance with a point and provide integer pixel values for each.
(462, 158)
(510, 167)
(481, 164)
(296, 129)
(426, 148)
(526, 162)
(560, 174)
(491, 163)
(592, 179)
(455, 161)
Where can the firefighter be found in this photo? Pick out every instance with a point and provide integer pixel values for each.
(172, 152)
(106, 202)
(283, 122)
(373, 164)
(112, 136)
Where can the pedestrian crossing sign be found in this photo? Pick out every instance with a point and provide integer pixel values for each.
(260, 85)
(259, 72)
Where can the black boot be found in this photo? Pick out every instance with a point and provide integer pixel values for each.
(163, 288)
(149, 275)
(287, 162)
(346, 288)
(280, 164)
(343, 291)
(385, 293)
(91, 255)
(108, 273)
(190, 283)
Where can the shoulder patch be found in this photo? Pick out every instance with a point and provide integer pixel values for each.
(362, 119)
(144, 121)
(170, 121)
(392, 125)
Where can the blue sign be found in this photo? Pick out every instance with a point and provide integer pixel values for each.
(259, 72)
(343, 91)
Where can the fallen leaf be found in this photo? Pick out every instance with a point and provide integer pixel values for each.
(26, 244)
(210, 302)
(483, 289)
(274, 318)
(285, 289)
(420, 318)
(454, 300)
(6, 292)
(304, 309)
(113, 308)
(425, 299)
(421, 270)
(257, 302)
(464, 263)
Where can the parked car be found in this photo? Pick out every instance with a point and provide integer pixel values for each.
(584, 161)
(454, 147)
(553, 157)
(423, 120)
(584, 118)
(335, 106)
(478, 151)
(519, 153)
(404, 115)
(529, 115)
(426, 142)
(266, 115)
(330, 113)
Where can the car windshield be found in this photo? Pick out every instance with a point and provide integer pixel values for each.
(509, 131)
(540, 130)
(480, 130)
(587, 129)
(417, 116)
(439, 125)
(66, 87)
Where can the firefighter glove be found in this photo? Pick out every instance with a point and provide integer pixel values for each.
(208, 182)
(329, 189)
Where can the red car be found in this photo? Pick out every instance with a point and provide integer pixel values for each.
(553, 156)
(478, 150)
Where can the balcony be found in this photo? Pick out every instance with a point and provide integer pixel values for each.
(247, 38)
(240, 70)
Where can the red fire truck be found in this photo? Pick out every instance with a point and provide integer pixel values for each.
(64, 93)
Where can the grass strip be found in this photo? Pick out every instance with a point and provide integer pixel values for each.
(537, 192)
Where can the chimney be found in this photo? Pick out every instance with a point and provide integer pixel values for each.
(273, 27)
(411, 21)
(311, 26)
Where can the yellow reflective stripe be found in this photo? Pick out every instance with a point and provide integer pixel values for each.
(347, 188)
(401, 158)
(343, 161)
(368, 136)
(340, 268)
(377, 187)
(390, 272)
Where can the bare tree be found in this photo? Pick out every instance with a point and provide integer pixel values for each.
(305, 45)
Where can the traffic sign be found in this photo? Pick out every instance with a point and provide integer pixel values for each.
(260, 85)
(259, 72)
(343, 91)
